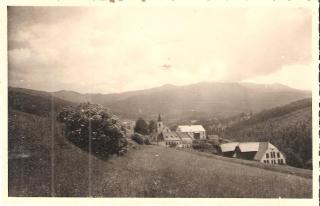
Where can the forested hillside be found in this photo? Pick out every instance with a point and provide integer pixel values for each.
(288, 127)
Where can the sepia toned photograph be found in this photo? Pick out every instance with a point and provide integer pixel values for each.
(161, 102)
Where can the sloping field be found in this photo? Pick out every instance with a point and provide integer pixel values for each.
(148, 171)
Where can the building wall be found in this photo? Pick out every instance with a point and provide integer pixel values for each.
(202, 135)
(273, 156)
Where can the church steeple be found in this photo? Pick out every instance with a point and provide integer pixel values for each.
(160, 125)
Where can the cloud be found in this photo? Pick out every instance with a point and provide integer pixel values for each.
(295, 73)
(118, 49)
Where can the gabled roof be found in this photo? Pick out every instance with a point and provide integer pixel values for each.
(229, 147)
(183, 135)
(171, 136)
(191, 128)
(249, 146)
(259, 147)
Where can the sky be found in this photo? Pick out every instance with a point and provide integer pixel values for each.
(116, 49)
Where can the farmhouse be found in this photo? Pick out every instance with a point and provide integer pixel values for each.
(186, 140)
(264, 152)
(194, 131)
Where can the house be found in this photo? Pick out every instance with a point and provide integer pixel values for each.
(264, 152)
(194, 131)
(186, 140)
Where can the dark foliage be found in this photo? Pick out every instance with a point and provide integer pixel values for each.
(202, 145)
(92, 127)
(152, 126)
(140, 139)
(141, 127)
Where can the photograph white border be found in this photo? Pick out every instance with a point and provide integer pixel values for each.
(5, 200)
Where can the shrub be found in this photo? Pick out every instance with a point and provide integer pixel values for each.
(146, 141)
(137, 138)
(140, 139)
(202, 146)
(91, 126)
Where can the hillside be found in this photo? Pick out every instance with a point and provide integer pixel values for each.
(193, 101)
(288, 127)
(62, 169)
(35, 102)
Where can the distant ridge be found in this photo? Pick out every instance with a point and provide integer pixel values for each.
(196, 100)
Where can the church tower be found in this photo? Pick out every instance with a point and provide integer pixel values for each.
(159, 124)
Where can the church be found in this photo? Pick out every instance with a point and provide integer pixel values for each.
(165, 137)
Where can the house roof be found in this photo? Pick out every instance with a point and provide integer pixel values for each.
(191, 128)
(259, 147)
(172, 136)
(229, 147)
(249, 146)
(183, 135)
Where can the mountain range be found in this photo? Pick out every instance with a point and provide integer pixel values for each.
(192, 101)
(199, 100)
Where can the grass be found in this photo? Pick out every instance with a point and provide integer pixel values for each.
(147, 171)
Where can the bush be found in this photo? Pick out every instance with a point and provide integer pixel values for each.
(93, 125)
(202, 146)
(140, 139)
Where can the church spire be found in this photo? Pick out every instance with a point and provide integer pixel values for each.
(159, 118)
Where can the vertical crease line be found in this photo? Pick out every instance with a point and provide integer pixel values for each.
(89, 165)
(52, 144)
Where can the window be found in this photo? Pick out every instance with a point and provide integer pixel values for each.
(267, 161)
(267, 155)
(278, 154)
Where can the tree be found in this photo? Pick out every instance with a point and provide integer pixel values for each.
(93, 128)
(141, 127)
(152, 126)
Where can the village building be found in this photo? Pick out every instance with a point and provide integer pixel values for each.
(186, 140)
(264, 152)
(196, 132)
(165, 137)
